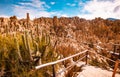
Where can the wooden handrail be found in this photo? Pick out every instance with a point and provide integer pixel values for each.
(71, 65)
(86, 51)
(103, 56)
(117, 62)
(58, 61)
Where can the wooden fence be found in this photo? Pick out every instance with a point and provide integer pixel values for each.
(61, 60)
(86, 59)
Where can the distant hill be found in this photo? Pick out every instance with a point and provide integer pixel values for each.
(112, 19)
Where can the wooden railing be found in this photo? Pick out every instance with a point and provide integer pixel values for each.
(117, 62)
(61, 60)
(86, 58)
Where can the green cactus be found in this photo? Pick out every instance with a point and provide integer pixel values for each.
(37, 30)
(44, 42)
(24, 43)
(17, 56)
(6, 29)
(32, 37)
(18, 50)
(28, 45)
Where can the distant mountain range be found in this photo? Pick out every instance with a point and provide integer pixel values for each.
(112, 19)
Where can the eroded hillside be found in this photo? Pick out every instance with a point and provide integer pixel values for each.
(69, 31)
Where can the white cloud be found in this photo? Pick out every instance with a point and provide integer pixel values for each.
(71, 4)
(64, 15)
(35, 3)
(21, 11)
(4, 16)
(117, 8)
(101, 8)
(35, 8)
(52, 3)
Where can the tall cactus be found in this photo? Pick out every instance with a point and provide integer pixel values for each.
(45, 39)
(44, 42)
(37, 29)
(24, 43)
(32, 37)
(6, 29)
(55, 21)
(28, 19)
(18, 50)
(27, 45)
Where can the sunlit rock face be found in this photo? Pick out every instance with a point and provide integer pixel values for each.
(73, 31)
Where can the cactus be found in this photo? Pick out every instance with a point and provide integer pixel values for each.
(28, 19)
(37, 30)
(44, 42)
(26, 45)
(19, 56)
(18, 50)
(37, 54)
(32, 37)
(2, 21)
(6, 29)
(55, 21)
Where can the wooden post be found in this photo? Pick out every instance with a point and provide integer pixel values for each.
(53, 69)
(115, 68)
(114, 49)
(119, 51)
(86, 57)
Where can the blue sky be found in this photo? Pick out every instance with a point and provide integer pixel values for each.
(88, 9)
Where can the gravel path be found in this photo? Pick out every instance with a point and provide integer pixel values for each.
(91, 71)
